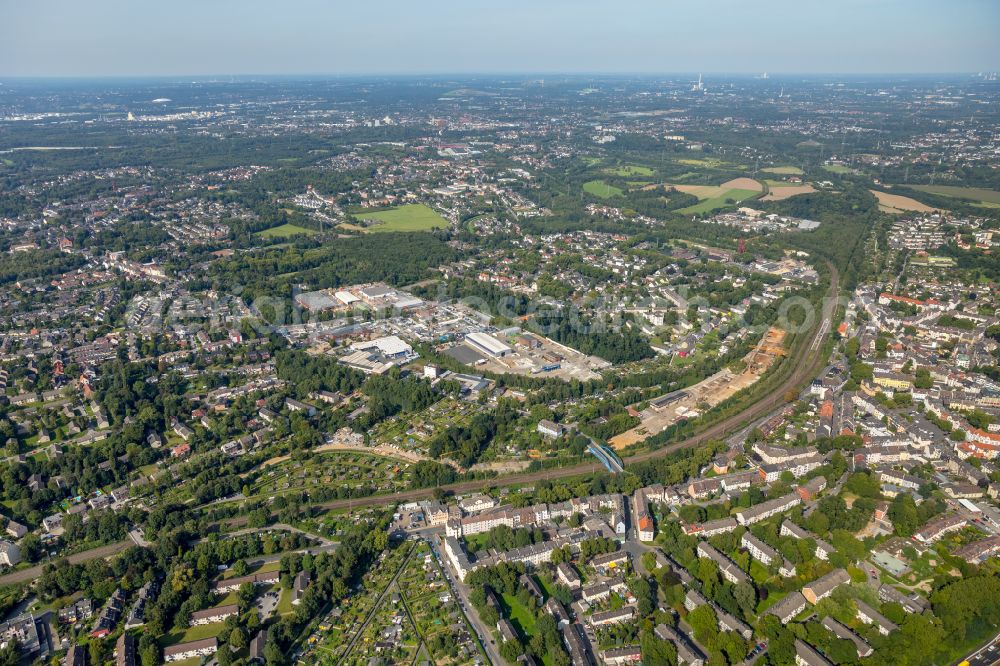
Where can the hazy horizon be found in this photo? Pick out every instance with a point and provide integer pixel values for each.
(223, 77)
(223, 38)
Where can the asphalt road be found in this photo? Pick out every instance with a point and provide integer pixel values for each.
(36, 571)
(988, 655)
(461, 590)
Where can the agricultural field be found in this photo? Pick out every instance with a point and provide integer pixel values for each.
(713, 197)
(784, 170)
(977, 195)
(602, 189)
(779, 190)
(286, 231)
(896, 203)
(409, 217)
(629, 170)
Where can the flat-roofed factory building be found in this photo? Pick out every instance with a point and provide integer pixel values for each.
(487, 344)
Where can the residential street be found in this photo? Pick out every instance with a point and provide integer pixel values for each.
(484, 633)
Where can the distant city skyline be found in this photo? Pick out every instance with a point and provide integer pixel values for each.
(63, 38)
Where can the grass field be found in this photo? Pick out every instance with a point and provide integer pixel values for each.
(974, 194)
(629, 170)
(601, 189)
(706, 162)
(263, 568)
(195, 633)
(771, 600)
(784, 170)
(720, 201)
(411, 217)
(519, 615)
(285, 231)
(285, 602)
(838, 168)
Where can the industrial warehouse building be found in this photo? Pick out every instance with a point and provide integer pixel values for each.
(487, 344)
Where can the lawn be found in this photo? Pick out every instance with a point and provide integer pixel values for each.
(285, 231)
(784, 170)
(284, 602)
(263, 568)
(629, 170)
(267, 567)
(230, 598)
(719, 201)
(838, 168)
(410, 217)
(547, 585)
(758, 572)
(519, 616)
(599, 188)
(975, 194)
(771, 600)
(523, 620)
(476, 541)
(192, 634)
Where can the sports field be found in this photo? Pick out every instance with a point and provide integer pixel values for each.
(286, 230)
(410, 217)
(601, 189)
(974, 194)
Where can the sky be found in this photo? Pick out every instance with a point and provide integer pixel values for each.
(95, 38)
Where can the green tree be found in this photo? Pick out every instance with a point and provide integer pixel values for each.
(746, 597)
(511, 650)
(903, 514)
(656, 652)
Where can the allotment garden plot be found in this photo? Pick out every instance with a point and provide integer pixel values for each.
(335, 469)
